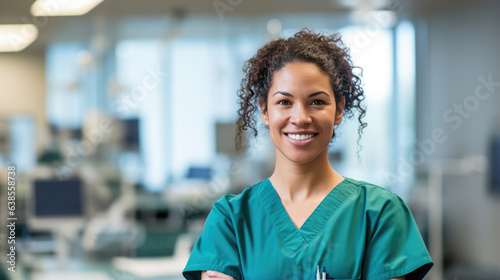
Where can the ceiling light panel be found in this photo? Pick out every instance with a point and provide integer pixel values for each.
(63, 7)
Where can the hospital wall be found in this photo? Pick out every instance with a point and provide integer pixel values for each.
(457, 48)
(23, 89)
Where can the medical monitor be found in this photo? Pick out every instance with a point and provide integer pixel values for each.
(130, 136)
(57, 204)
(494, 165)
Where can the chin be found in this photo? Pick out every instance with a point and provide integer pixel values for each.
(301, 157)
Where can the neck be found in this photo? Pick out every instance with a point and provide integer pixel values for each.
(296, 182)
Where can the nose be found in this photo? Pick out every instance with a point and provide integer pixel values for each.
(300, 116)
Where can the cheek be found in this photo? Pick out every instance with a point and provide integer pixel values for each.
(276, 118)
(329, 127)
(327, 118)
(328, 124)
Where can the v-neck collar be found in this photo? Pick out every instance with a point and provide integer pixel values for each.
(295, 238)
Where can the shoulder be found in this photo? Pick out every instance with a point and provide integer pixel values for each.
(374, 197)
(381, 208)
(370, 189)
(234, 203)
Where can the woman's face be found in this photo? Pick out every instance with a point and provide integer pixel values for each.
(301, 111)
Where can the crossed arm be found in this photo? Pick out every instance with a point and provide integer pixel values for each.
(214, 275)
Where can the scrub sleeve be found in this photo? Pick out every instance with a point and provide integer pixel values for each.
(396, 247)
(216, 248)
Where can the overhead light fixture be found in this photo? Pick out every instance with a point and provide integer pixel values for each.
(63, 7)
(274, 26)
(16, 37)
(363, 4)
(378, 19)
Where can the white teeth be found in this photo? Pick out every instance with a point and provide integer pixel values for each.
(300, 136)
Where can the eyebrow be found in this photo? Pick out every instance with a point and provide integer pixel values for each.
(310, 95)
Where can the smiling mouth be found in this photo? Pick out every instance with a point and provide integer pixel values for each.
(300, 136)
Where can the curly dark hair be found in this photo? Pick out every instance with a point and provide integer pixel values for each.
(328, 52)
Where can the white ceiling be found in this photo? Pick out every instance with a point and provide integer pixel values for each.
(17, 11)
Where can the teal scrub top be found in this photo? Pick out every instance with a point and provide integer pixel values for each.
(358, 231)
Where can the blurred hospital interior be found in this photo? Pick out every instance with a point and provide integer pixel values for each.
(119, 118)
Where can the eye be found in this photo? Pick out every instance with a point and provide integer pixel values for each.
(283, 102)
(318, 102)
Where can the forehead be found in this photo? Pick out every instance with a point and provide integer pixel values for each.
(301, 77)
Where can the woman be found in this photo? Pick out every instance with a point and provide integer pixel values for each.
(306, 215)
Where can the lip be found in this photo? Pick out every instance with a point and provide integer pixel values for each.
(301, 143)
(301, 132)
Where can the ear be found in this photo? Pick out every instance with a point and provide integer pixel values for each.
(263, 111)
(340, 111)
